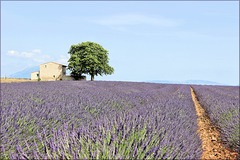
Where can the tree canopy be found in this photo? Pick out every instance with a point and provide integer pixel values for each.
(89, 58)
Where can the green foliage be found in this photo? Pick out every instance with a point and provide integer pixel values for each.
(180, 95)
(226, 116)
(89, 58)
(39, 79)
(224, 119)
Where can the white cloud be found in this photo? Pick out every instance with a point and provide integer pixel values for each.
(137, 19)
(22, 54)
(36, 51)
(13, 53)
(34, 55)
(26, 54)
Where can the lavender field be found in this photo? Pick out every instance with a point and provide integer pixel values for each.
(221, 103)
(71, 120)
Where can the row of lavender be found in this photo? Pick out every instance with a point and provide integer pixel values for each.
(85, 120)
(222, 106)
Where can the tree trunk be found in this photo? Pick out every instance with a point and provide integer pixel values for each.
(92, 77)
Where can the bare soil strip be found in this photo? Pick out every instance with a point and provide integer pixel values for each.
(210, 136)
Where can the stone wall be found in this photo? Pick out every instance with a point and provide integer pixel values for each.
(69, 78)
(51, 71)
(34, 75)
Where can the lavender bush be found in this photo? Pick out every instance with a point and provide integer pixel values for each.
(87, 120)
(222, 106)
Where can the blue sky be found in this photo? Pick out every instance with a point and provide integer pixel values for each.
(154, 40)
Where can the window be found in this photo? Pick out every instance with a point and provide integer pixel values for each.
(53, 76)
(45, 66)
(37, 75)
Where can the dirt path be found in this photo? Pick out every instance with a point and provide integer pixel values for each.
(210, 136)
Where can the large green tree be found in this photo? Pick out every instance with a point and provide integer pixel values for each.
(89, 58)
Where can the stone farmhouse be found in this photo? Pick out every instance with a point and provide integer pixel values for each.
(52, 71)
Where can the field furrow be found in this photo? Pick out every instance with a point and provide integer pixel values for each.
(221, 103)
(210, 136)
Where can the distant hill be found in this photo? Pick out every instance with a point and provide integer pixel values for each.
(198, 82)
(26, 73)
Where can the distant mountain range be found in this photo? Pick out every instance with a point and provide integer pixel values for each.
(26, 73)
(198, 82)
